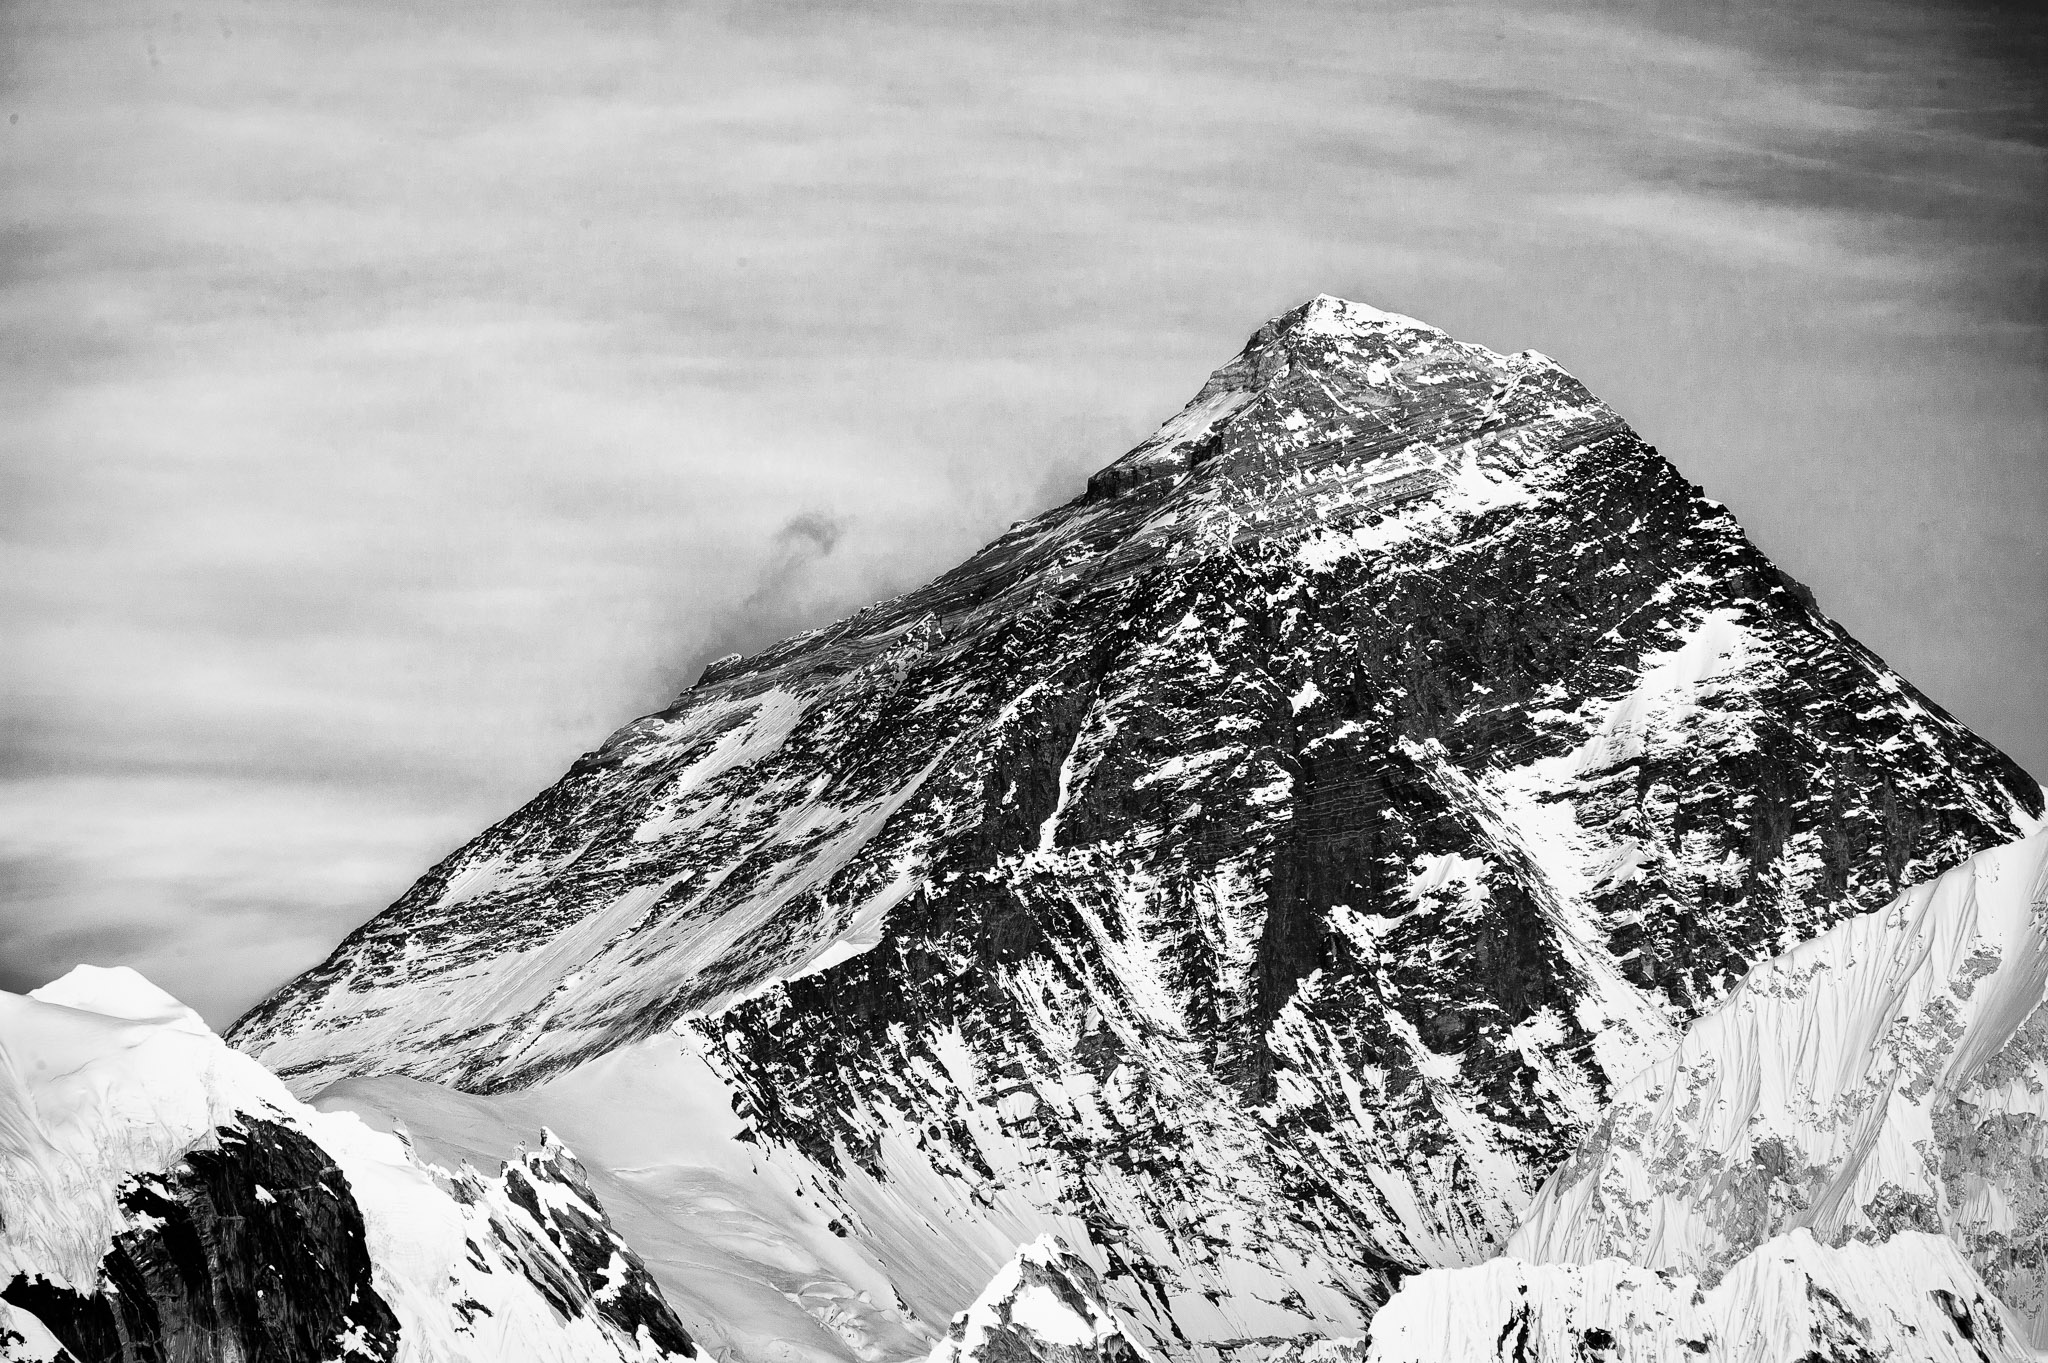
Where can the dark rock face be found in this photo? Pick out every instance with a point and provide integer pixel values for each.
(566, 1247)
(1293, 835)
(250, 1250)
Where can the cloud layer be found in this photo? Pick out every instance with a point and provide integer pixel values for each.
(397, 398)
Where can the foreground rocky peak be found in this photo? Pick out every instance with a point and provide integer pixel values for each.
(1263, 865)
(164, 1198)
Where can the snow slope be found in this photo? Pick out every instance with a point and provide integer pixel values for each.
(161, 1191)
(102, 1076)
(745, 1245)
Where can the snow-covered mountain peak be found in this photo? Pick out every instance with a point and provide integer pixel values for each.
(1329, 379)
(118, 992)
(1887, 1076)
(1260, 869)
(1910, 1299)
(1328, 315)
(102, 1077)
(163, 1196)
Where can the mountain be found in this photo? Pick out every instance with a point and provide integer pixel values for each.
(1847, 1158)
(164, 1199)
(1260, 872)
(1045, 1306)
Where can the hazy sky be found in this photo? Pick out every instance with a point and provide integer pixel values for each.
(399, 396)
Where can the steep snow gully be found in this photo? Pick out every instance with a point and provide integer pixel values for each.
(1390, 871)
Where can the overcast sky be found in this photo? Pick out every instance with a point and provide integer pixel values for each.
(397, 397)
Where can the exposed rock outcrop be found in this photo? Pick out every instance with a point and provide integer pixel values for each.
(250, 1249)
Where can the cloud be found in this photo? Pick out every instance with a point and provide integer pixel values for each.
(216, 883)
(779, 596)
(398, 399)
(785, 597)
(810, 535)
(1742, 232)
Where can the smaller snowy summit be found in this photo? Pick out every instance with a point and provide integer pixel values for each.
(163, 1197)
(1912, 1299)
(1869, 1106)
(1044, 1306)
